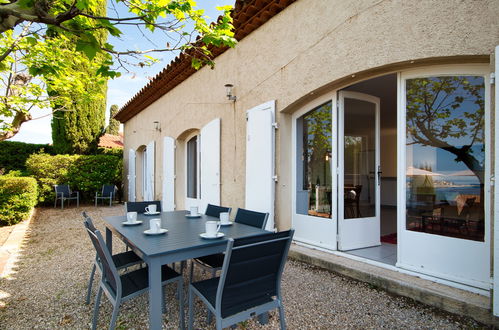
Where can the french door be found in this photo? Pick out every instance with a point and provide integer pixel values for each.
(359, 171)
(314, 173)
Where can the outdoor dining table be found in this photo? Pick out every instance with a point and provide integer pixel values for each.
(181, 242)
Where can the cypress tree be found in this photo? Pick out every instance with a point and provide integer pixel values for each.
(114, 125)
(76, 129)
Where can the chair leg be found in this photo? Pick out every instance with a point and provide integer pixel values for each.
(282, 321)
(191, 271)
(96, 308)
(55, 202)
(191, 309)
(116, 309)
(208, 317)
(90, 282)
(180, 288)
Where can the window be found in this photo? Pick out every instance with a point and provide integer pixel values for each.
(445, 154)
(314, 162)
(192, 167)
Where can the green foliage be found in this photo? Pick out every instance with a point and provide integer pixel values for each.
(76, 128)
(18, 196)
(114, 125)
(13, 155)
(118, 152)
(84, 173)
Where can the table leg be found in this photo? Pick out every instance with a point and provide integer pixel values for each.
(155, 295)
(109, 240)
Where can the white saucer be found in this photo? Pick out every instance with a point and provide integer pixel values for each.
(149, 213)
(161, 231)
(204, 235)
(225, 224)
(193, 216)
(126, 223)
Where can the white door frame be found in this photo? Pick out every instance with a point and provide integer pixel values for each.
(362, 232)
(495, 298)
(416, 250)
(316, 231)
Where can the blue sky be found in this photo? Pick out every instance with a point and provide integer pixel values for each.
(122, 89)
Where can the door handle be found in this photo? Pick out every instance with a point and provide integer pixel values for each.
(379, 175)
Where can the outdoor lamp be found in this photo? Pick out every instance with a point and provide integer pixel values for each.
(228, 90)
(157, 126)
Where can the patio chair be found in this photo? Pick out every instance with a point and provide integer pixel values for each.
(250, 282)
(63, 192)
(108, 191)
(140, 207)
(120, 288)
(213, 263)
(215, 210)
(121, 260)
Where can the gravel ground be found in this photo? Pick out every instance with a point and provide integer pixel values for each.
(47, 290)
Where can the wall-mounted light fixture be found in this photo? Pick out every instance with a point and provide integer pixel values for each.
(157, 126)
(228, 91)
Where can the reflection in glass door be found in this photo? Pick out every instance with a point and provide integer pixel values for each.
(360, 172)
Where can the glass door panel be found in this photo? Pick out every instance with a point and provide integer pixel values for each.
(359, 159)
(359, 171)
(445, 154)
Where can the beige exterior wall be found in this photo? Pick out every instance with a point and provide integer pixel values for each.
(310, 48)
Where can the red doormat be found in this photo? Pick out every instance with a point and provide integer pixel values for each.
(390, 238)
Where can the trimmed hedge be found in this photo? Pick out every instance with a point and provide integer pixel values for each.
(84, 173)
(18, 196)
(13, 154)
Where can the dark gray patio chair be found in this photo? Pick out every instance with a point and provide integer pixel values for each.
(215, 210)
(250, 282)
(212, 263)
(140, 207)
(63, 192)
(121, 260)
(120, 288)
(108, 191)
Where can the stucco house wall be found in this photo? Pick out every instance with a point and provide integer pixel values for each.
(310, 48)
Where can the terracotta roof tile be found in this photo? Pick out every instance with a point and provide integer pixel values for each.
(248, 15)
(111, 141)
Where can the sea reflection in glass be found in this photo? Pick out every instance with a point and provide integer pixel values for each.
(445, 156)
(314, 143)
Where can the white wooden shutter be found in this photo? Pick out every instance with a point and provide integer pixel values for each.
(210, 164)
(131, 175)
(260, 165)
(168, 190)
(150, 172)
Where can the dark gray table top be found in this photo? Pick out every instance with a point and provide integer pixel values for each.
(183, 233)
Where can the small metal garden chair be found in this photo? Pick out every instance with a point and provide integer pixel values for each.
(108, 191)
(63, 192)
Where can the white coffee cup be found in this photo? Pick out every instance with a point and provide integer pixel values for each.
(194, 210)
(151, 208)
(131, 217)
(212, 228)
(154, 225)
(224, 218)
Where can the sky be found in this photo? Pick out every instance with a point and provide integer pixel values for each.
(122, 89)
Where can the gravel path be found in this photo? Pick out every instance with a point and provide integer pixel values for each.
(48, 288)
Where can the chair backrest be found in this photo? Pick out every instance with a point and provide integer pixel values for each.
(108, 189)
(215, 210)
(109, 273)
(252, 270)
(251, 218)
(140, 207)
(62, 189)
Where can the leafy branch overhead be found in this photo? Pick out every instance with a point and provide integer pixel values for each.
(44, 42)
